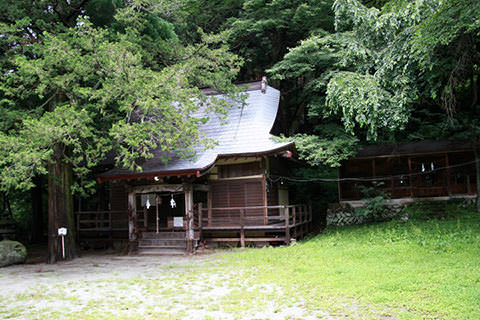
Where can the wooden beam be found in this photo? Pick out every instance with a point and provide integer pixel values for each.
(247, 239)
(158, 188)
(201, 187)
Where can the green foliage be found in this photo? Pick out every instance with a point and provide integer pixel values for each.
(375, 202)
(327, 151)
(86, 73)
(102, 12)
(265, 29)
(361, 100)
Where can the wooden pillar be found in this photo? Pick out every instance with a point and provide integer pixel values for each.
(448, 173)
(158, 201)
(132, 223)
(242, 228)
(294, 223)
(145, 218)
(265, 200)
(209, 205)
(110, 229)
(200, 218)
(410, 176)
(287, 225)
(189, 214)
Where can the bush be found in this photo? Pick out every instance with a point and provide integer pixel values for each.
(375, 202)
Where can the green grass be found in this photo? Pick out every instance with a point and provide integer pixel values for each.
(405, 270)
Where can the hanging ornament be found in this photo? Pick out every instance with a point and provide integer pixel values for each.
(147, 204)
(423, 167)
(173, 204)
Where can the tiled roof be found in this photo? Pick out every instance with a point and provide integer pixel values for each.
(246, 131)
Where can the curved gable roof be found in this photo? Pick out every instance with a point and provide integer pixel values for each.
(244, 132)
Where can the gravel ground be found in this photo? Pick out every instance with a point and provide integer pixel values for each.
(111, 286)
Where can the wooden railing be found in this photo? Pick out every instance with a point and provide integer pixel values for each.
(292, 220)
(101, 226)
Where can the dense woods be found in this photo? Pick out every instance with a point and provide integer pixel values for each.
(75, 73)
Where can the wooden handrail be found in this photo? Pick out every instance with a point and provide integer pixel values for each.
(245, 208)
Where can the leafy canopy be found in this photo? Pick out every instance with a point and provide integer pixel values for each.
(92, 90)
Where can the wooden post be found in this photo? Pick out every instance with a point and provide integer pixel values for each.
(145, 218)
(209, 205)
(287, 225)
(189, 214)
(448, 173)
(304, 220)
(132, 223)
(157, 218)
(294, 222)
(242, 230)
(200, 218)
(410, 176)
(265, 200)
(110, 229)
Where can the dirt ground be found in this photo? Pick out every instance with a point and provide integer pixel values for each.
(102, 285)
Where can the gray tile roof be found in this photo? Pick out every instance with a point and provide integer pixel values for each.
(246, 131)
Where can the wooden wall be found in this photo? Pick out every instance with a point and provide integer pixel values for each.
(238, 193)
(419, 175)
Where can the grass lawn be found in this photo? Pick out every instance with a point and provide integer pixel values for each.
(394, 270)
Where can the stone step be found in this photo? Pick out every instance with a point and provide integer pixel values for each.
(162, 242)
(163, 235)
(160, 251)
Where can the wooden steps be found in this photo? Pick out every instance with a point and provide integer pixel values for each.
(162, 243)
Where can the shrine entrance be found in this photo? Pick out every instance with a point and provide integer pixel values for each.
(158, 212)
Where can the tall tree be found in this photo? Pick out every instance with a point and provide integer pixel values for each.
(86, 90)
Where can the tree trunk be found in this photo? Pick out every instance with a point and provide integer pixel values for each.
(60, 208)
(37, 210)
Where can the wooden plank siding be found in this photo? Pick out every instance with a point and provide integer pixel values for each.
(412, 176)
(236, 193)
